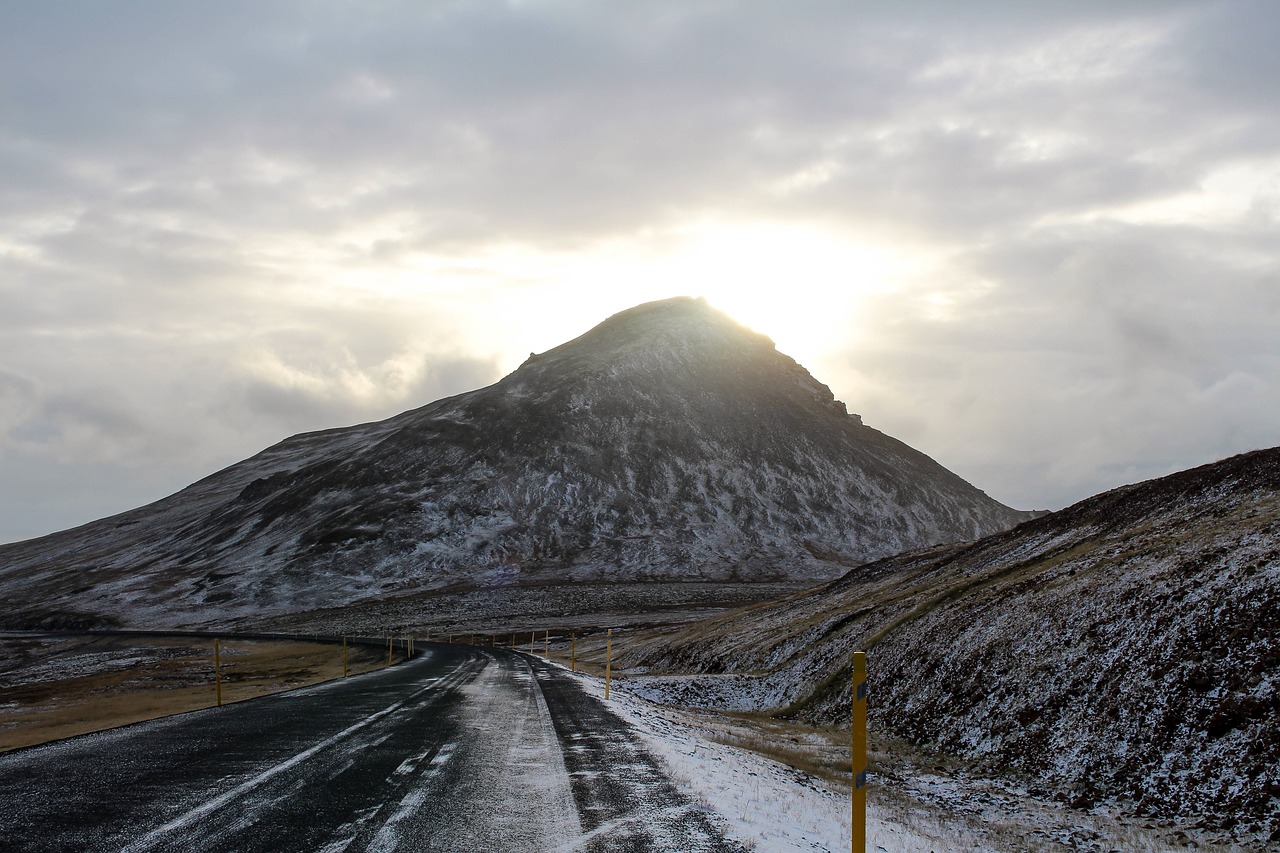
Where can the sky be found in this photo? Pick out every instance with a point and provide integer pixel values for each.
(1038, 241)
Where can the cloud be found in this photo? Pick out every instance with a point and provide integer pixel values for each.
(1077, 361)
(564, 123)
(226, 222)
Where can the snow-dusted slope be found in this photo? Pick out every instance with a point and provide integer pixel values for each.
(1125, 650)
(666, 444)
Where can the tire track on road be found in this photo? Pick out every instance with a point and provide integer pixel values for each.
(625, 800)
(462, 749)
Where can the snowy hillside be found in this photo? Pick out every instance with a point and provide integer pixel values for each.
(1124, 652)
(667, 444)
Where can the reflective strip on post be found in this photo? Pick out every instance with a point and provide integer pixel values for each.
(608, 664)
(858, 735)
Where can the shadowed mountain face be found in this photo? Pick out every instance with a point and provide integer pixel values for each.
(1124, 651)
(667, 444)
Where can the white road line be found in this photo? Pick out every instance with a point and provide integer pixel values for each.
(410, 764)
(217, 802)
(352, 828)
(388, 837)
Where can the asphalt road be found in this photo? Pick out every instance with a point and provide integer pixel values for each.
(460, 749)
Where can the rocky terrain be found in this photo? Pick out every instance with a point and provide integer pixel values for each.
(666, 450)
(1123, 653)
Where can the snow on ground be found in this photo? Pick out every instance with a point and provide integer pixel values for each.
(767, 806)
(525, 761)
(771, 807)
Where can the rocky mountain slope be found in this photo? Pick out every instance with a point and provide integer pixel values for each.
(1124, 651)
(667, 444)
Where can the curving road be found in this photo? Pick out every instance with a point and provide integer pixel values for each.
(460, 749)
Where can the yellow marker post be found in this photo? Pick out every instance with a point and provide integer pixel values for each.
(608, 664)
(573, 652)
(344, 656)
(217, 671)
(858, 737)
(388, 651)
(546, 644)
(533, 639)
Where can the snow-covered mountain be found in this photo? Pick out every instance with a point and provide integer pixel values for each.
(667, 444)
(1124, 651)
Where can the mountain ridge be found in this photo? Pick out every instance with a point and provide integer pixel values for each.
(668, 443)
(1123, 652)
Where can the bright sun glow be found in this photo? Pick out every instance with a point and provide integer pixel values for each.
(810, 289)
(802, 287)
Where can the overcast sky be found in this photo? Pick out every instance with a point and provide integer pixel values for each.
(1038, 241)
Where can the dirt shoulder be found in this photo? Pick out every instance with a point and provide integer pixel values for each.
(58, 686)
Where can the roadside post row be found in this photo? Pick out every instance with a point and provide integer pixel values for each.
(858, 699)
(407, 644)
(512, 643)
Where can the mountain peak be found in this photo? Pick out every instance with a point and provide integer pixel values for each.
(681, 325)
(674, 355)
(668, 443)
(677, 316)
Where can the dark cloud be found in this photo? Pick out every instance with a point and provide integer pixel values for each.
(1092, 359)
(489, 121)
(190, 190)
(1230, 57)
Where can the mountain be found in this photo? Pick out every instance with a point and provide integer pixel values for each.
(668, 444)
(1123, 652)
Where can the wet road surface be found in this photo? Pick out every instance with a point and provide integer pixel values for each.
(459, 749)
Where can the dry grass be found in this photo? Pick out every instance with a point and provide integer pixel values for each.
(57, 688)
(587, 654)
(821, 752)
(960, 810)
